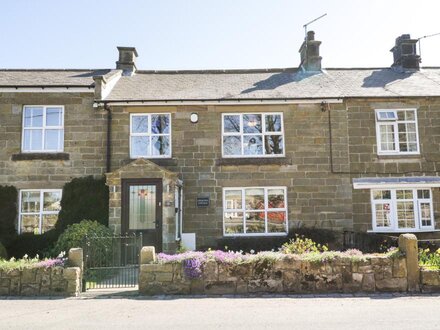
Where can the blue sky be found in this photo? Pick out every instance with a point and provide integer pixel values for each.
(202, 34)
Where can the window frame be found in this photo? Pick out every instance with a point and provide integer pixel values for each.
(41, 211)
(265, 211)
(242, 134)
(150, 135)
(394, 221)
(395, 124)
(43, 128)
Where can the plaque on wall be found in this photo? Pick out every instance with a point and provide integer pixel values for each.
(202, 201)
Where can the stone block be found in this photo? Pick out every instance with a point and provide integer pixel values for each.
(210, 271)
(430, 277)
(30, 289)
(368, 282)
(220, 287)
(399, 267)
(197, 286)
(265, 285)
(408, 245)
(4, 290)
(28, 276)
(76, 258)
(242, 287)
(392, 284)
(164, 277)
(291, 280)
(57, 286)
(147, 255)
(72, 273)
(357, 278)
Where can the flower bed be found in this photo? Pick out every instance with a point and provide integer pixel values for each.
(429, 259)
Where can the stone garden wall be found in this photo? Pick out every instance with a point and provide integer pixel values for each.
(54, 281)
(397, 272)
(42, 281)
(289, 274)
(430, 280)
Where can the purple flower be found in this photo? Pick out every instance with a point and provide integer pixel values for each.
(51, 263)
(192, 268)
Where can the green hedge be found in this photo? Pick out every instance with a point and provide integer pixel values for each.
(268, 243)
(8, 213)
(83, 198)
(31, 244)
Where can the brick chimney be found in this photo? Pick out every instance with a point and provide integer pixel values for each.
(127, 60)
(405, 53)
(310, 59)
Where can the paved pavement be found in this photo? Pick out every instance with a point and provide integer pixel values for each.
(120, 311)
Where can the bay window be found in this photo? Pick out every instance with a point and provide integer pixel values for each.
(254, 211)
(252, 135)
(403, 209)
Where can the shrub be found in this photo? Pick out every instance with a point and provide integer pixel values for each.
(74, 236)
(3, 253)
(32, 245)
(8, 207)
(269, 243)
(301, 245)
(371, 242)
(83, 198)
(273, 243)
(429, 258)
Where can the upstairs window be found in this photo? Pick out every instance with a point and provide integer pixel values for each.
(43, 129)
(397, 132)
(39, 210)
(402, 209)
(252, 135)
(150, 136)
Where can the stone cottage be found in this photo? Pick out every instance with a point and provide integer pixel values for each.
(201, 155)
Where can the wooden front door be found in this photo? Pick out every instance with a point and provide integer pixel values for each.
(142, 210)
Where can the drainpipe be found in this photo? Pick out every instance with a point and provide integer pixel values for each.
(109, 137)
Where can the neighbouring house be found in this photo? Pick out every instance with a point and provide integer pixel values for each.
(201, 155)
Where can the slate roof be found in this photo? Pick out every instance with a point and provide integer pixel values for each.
(241, 84)
(48, 77)
(275, 84)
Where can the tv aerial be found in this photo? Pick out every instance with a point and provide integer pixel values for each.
(424, 37)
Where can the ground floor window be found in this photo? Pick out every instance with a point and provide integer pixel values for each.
(402, 209)
(38, 210)
(254, 211)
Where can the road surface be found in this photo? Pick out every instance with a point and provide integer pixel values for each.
(270, 312)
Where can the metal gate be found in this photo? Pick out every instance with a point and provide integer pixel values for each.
(111, 262)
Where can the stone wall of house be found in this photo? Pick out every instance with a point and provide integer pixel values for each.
(55, 281)
(430, 280)
(364, 161)
(316, 197)
(84, 141)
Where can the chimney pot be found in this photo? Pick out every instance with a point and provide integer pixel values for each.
(405, 53)
(127, 60)
(309, 51)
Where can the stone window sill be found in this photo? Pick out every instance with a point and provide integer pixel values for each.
(40, 156)
(253, 161)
